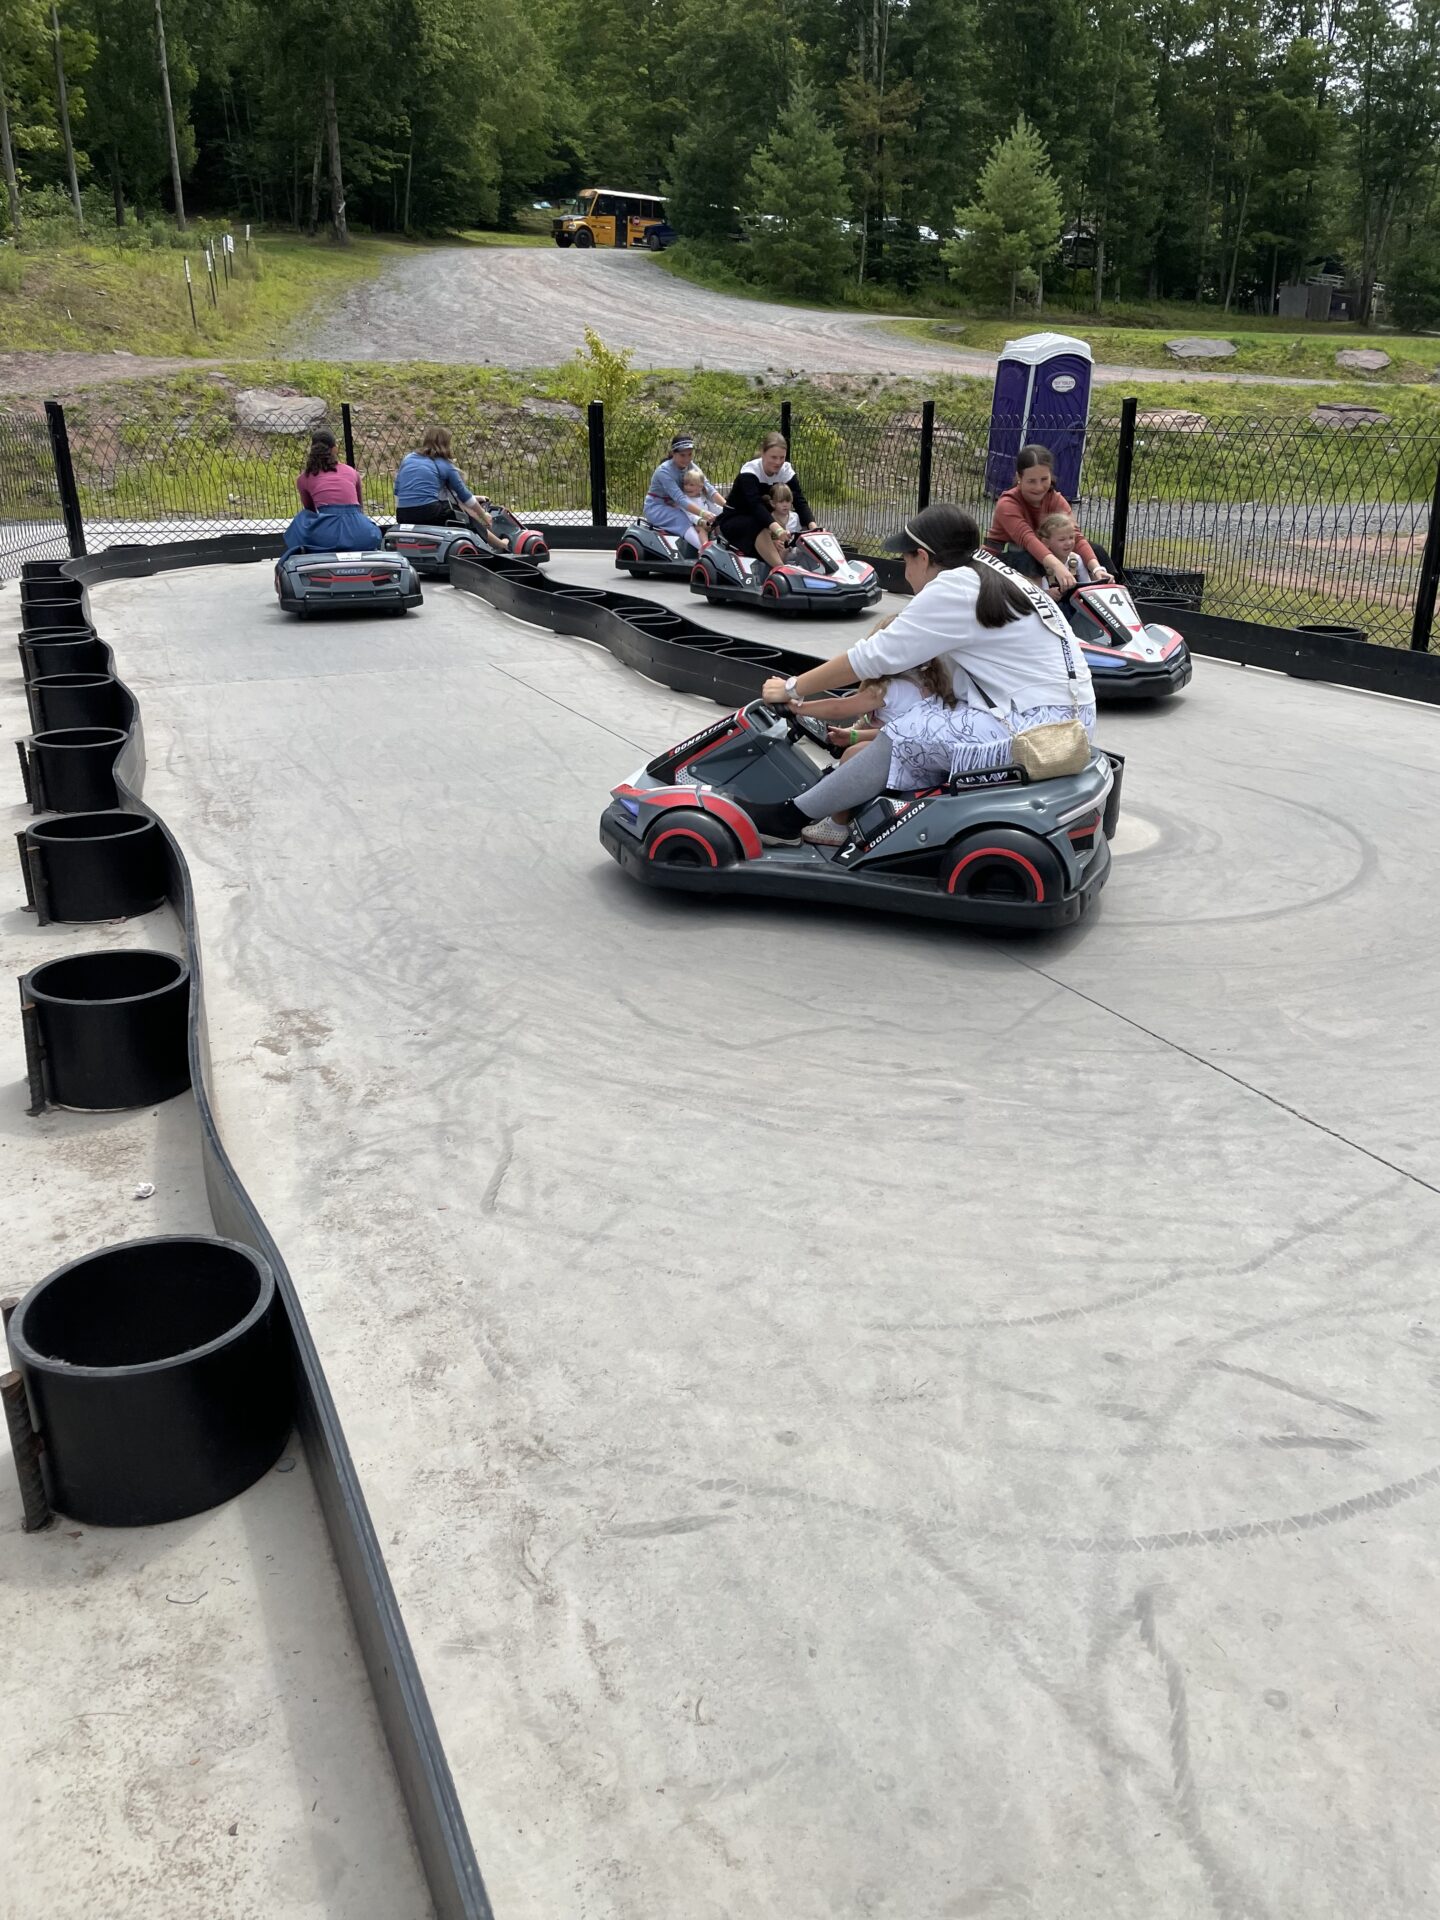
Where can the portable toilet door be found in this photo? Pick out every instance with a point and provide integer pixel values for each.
(1042, 392)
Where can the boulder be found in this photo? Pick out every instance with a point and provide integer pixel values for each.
(1336, 413)
(1362, 359)
(1200, 348)
(266, 412)
(1172, 420)
(551, 409)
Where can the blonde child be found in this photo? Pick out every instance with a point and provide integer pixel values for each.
(704, 501)
(1061, 537)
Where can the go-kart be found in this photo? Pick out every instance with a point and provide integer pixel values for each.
(815, 578)
(309, 583)
(645, 553)
(431, 549)
(1128, 660)
(992, 848)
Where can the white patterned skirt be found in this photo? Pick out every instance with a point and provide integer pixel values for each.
(930, 741)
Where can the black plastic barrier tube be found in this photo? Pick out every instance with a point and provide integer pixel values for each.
(111, 1028)
(159, 1377)
(93, 866)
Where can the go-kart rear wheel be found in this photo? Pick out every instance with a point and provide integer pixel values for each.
(465, 550)
(694, 839)
(1003, 864)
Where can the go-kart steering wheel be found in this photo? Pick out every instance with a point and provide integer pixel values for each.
(807, 727)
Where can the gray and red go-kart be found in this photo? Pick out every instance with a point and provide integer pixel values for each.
(431, 549)
(311, 583)
(993, 848)
(816, 578)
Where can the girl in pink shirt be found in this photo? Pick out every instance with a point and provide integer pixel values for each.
(331, 519)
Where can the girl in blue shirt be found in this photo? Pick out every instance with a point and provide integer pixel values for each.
(428, 488)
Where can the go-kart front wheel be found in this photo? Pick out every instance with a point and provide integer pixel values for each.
(1003, 864)
(694, 840)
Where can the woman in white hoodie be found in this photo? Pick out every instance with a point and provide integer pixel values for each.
(1014, 661)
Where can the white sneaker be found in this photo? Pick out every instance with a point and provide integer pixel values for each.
(826, 833)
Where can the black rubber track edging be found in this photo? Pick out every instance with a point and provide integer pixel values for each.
(643, 635)
(442, 1839)
(696, 659)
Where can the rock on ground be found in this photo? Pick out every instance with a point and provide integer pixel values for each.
(1362, 359)
(266, 412)
(1200, 348)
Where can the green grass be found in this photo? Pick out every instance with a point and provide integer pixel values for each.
(96, 296)
(483, 237)
(1277, 349)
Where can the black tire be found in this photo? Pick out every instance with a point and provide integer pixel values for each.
(584, 238)
(701, 578)
(1005, 865)
(685, 837)
(562, 240)
(654, 242)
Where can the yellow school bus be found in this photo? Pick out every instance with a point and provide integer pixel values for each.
(604, 217)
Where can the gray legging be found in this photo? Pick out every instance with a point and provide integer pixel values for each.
(860, 779)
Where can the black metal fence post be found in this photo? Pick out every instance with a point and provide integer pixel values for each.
(65, 479)
(927, 452)
(347, 433)
(1424, 619)
(785, 424)
(1124, 466)
(599, 501)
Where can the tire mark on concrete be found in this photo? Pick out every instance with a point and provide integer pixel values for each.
(1300, 1393)
(1229, 1899)
(1377, 1501)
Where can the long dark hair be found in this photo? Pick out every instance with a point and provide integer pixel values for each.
(322, 457)
(952, 539)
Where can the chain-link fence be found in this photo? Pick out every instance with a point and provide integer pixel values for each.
(1318, 520)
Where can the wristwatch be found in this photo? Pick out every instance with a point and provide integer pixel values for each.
(794, 697)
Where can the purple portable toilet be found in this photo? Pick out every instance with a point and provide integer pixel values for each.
(1042, 392)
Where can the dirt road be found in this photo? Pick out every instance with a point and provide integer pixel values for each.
(529, 306)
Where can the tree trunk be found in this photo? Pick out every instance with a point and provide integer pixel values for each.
(315, 186)
(1098, 273)
(1012, 289)
(175, 183)
(7, 153)
(1235, 250)
(337, 178)
(117, 187)
(409, 169)
(64, 100)
(1040, 286)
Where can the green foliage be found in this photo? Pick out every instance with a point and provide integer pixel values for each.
(797, 201)
(1412, 285)
(1015, 218)
(12, 271)
(598, 372)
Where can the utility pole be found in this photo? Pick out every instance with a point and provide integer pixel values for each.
(169, 118)
(65, 118)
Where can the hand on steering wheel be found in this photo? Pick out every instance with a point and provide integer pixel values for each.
(775, 693)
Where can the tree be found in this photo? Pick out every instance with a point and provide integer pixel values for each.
(1015, 218)
(797, 200)
(174, 145)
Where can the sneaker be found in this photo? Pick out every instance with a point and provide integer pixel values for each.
(826, 833)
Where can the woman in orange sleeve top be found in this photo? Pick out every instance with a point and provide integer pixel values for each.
(1021, 508)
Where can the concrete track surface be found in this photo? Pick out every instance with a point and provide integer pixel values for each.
(863, 1419)
(530, 306)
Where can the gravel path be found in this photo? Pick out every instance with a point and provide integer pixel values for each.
(526, 306)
